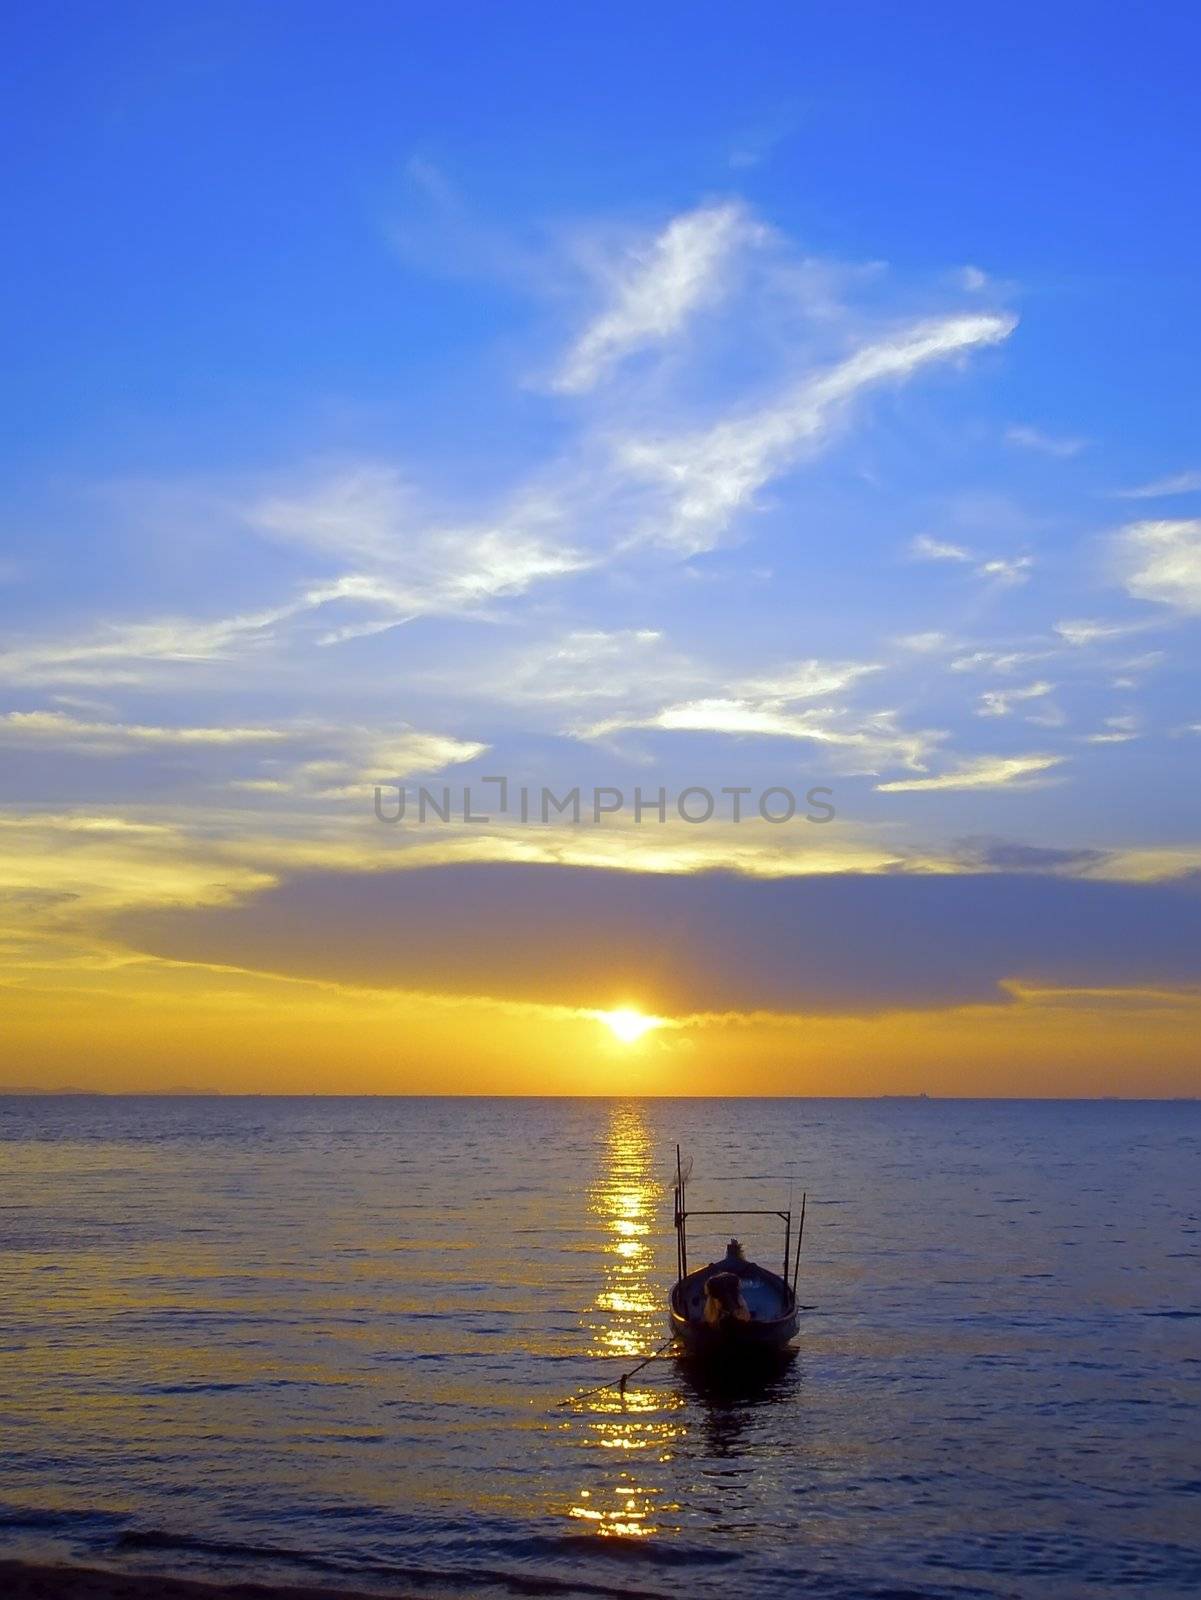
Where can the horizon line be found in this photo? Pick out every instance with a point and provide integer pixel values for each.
(32, 1092)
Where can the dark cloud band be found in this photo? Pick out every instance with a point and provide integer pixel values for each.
(706, 942)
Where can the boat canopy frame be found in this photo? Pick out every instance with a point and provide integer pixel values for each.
(791, 1259)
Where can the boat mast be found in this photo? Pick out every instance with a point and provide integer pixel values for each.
(681, 1220)
(800, 1236)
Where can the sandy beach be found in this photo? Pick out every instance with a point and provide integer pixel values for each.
(20, 1580)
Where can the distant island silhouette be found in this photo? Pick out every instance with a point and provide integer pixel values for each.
(108, 1094)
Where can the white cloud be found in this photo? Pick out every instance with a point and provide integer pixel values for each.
(1136, 667)
(925, 548)
(1116, 730)
(370, 756)
(409, 751)
(365, 513)
(1000, 569)
(413, 565)
(1027, 438)
(1161, 488)
(1012, 569)
(973, 279)
(1161, 561)
(998, 660)
(807, 680)
(735, 716)
(874, 740)
(657, 289)
(395, 561)
(770, 707)
(1000, 702)
(707, 477)
(57, 728)
(82, 822)
(923, 644)
(1081, 631)
(632, 667)
(1046, 716)
(322, 761)
(984, 772)
(113, 653)
(610, 682)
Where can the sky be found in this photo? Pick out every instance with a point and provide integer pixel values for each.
(795, 407)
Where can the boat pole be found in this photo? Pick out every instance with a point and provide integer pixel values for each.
(681, 1218)
(800, 1234)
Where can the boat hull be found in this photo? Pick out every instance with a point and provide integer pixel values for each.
(732, 1339)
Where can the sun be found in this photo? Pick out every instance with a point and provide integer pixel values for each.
(628, 1025)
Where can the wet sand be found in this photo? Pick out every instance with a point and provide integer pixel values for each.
(21, 1580)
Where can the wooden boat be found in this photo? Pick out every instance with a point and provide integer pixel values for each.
(733, 1310)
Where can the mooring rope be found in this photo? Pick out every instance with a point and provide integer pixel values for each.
(618, 1383)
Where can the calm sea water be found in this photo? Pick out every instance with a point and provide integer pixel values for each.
(327, 1340)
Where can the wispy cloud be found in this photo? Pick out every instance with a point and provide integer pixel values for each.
(1081, 631)
(56, 727)
(926, 548)
(774, 707)
(656, 288)
(1047, 444)
(343, 763)
(408, 569)
(707, 476)
(755, 144)
(725, 716)
(1006, 569)
(83, 822)
(306, 759)
(626, 666)
(376, 756)
(984, 772)
(998, 660)
(1000, 702)
(924, 644)
(410, 563)
(1001, 569)
(1116, 730)
(610, 498)
(807, 680)
(112, 654)
(1162, 488)
(1161, 561)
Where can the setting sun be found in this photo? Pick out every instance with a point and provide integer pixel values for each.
(627, 1024)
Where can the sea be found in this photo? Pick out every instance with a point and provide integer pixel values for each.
(376, 1343)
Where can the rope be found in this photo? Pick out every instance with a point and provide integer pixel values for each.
(618, 1383)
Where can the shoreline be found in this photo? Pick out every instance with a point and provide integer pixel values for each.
(35, 1580)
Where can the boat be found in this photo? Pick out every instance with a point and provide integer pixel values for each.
(733, 1310)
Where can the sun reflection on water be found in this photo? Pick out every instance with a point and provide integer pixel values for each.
(625, 1314)
(626, 1322)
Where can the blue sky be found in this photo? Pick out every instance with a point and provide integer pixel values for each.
(805, 396)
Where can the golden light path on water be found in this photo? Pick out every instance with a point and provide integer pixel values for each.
(627, 1322)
